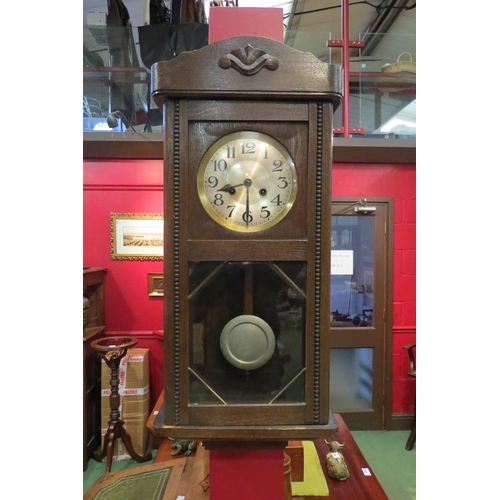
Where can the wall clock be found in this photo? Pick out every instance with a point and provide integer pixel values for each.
(247, 176)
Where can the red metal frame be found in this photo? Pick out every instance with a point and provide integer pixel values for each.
(345, 44)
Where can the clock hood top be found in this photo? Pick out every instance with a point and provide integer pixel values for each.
(282, 72)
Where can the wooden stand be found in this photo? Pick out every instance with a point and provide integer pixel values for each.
(118, 347)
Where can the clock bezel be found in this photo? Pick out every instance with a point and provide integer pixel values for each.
(231, 137)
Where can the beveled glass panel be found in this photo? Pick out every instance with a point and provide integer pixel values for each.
(246, 340)
(351, 279)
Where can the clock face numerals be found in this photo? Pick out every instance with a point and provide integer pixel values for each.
(247, 181)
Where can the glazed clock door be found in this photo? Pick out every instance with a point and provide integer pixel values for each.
(248, 284)
(247, 333)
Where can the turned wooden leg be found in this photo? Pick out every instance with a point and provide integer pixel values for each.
(107, 448)
(127, 441)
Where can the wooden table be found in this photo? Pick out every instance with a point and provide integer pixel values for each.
(359, 486)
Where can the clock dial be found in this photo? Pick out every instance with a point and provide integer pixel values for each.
(247, 181)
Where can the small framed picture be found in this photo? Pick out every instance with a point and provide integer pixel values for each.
(136, 236)
(155, 284)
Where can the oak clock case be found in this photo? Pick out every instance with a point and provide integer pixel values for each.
(247, 181)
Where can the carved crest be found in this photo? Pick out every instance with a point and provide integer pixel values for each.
(248, 60)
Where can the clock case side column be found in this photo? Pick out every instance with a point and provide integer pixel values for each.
(319, 172)
(181, 201)
(326, 186)
(175, 266)
(170, 298)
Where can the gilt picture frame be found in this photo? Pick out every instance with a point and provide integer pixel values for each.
(136, 236)
(155, 284)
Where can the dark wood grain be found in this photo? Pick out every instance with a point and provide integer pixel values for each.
(252, 249)
(250, 433)
(300, 75)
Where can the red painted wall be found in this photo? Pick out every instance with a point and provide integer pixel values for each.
(136, 186)
(398, 182)
(131, 186)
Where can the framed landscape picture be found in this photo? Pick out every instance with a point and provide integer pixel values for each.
(136, 236)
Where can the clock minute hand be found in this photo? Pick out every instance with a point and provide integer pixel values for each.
(247, 183)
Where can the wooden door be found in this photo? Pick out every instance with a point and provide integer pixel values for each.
(360, 312)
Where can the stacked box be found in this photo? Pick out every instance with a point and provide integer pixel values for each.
(295, 450)
(134, 401)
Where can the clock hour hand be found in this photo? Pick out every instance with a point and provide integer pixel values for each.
(228, 188)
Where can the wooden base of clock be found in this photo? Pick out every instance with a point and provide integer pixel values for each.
(254, 436)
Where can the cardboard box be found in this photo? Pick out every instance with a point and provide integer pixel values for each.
(295, 450)
(134, 401)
